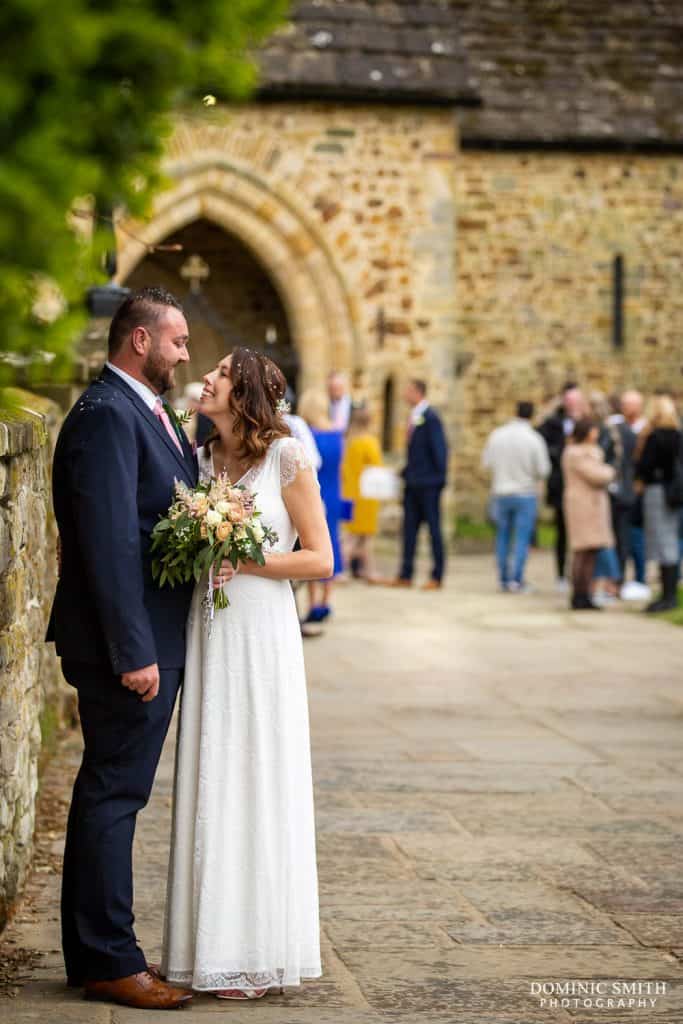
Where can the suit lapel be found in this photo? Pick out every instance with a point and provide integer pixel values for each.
(190, 455)
(189, 450)
(152, 421)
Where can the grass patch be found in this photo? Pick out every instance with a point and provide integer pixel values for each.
(676, 616)
(480, 530)
(473, 529)
(545, 535)
(49, 730)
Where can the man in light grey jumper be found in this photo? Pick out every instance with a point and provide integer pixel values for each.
(517, 457)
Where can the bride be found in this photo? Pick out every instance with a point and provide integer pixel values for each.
(242, 901)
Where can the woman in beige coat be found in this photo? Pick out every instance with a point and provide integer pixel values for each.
(586, 507)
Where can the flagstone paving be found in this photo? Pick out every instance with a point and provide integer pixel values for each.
(499, 794)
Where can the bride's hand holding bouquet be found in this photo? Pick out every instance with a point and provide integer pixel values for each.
(213, 523)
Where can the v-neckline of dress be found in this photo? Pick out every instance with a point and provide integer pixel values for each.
(245, 475)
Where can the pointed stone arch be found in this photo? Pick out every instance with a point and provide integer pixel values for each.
(321, 314)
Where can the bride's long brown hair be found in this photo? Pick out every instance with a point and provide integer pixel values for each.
(258, 385)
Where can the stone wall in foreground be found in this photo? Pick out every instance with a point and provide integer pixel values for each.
(31, 687)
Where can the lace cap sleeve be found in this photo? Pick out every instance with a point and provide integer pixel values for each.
(293, 458)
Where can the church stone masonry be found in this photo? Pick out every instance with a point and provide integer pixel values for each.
(441, 189)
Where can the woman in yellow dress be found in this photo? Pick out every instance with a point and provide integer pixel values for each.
(362, 450)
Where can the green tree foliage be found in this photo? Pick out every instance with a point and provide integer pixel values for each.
(86, 88)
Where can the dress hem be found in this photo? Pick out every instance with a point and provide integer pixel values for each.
(222, 981)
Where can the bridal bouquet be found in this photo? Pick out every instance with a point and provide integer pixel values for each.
(205, 525)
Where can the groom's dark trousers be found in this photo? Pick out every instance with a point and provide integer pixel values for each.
(123, 737)
(113, 477)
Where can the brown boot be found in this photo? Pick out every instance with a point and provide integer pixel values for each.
(141, 991)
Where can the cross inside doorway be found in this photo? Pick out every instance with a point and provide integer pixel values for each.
(195, 270)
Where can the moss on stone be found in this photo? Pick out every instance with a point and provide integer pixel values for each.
(49, 730)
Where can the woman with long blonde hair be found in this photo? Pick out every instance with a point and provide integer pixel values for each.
(313, 407)
(362, 451)
(658, 460)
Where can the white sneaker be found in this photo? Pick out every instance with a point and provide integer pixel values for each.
(634, 591)
(562, 585)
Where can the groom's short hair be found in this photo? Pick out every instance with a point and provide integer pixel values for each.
(141, 309)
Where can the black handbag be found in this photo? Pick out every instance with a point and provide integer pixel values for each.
(673, 488)
(637, 515)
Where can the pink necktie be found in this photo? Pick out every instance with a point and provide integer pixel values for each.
(161, 413)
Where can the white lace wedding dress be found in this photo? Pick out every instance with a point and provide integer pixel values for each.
(242, 900)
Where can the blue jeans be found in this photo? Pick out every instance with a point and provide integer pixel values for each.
(515, 517)
(607, 565)
(638, 552)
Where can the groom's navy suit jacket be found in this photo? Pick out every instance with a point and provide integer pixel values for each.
(113, 477)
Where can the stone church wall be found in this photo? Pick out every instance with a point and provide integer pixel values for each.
(536, 238)
(375, 187)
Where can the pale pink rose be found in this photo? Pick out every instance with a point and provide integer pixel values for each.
(223, 531)
(236, 513)
(200, 506)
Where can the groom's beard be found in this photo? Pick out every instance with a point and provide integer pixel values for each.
(158, 371)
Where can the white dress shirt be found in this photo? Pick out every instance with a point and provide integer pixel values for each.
(145, 393)
(417, 411)
(340, 412)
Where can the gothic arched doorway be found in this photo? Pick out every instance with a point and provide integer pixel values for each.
(228, 297)
(322, 316)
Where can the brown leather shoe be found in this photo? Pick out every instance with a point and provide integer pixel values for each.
(155, 971)
(141, 991)
(400, 582)
(431, 585)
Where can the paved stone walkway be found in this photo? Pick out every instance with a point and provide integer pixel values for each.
(499, 787)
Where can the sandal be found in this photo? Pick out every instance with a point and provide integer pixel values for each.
(241, 993)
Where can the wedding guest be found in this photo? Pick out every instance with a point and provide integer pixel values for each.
(629, 505)
(607, 574)
(301, 430)
(555, 430)
(599, 411)
(313, 408)
(361, 450)
(340, 400)
(425, 477)
(658, 456)
(586, 507)
(518, 460)
(605, 589)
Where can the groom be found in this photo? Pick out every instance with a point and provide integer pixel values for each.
(121, 638)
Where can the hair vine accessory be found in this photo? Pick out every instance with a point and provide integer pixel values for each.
(282, 406)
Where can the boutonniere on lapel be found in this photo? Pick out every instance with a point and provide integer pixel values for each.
(183, 417)
(178, 419)
(419, 422)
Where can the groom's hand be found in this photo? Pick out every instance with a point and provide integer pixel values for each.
(144, 681)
